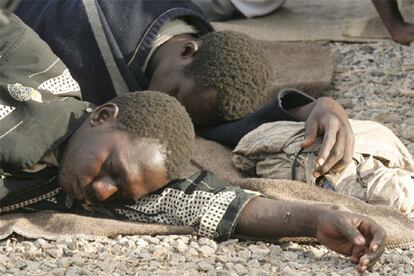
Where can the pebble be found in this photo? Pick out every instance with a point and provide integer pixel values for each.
(204, 266)
(207, 251)
(240, 269)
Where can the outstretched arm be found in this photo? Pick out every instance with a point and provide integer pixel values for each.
(349, 234)
(400, 31)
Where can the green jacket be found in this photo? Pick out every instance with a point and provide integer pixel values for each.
(40, 108)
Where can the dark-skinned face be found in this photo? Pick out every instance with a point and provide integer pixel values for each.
(101, 163)
(166, 70)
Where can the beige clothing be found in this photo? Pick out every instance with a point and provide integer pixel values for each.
(382, 170)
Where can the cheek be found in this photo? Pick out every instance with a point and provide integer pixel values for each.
(164, 81)
(150, 182)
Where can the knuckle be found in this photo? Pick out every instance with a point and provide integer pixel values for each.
(337, 154)
(346, 159)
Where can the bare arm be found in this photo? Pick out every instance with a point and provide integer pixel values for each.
(346, 233)
(401, 32)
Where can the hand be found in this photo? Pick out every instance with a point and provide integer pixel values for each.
(330, 119)
(403, 33)
(351, 235)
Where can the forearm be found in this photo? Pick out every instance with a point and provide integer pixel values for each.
(229, 134)
(302, 112)
(389, 13)
(284, 108)
(267, 218)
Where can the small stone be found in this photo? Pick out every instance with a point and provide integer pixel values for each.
(275, 250)
(207, 251)
(54, 252)
(289, 271)
(253, 263)
(258, 250)
(290, 256)
(21, 264)
(204, 266)
(73, 271)
(41, 243)
(161, 252)
(317, 252)
(180, 246)
(245, 254)
(141, 242)
(4, 259)
(146, 256)
(193, 252)
(240, 269)
(123, 241)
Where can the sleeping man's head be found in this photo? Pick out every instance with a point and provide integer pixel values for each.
(127, 148)
(218, 77)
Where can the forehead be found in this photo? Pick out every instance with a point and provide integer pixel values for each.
(146, 153)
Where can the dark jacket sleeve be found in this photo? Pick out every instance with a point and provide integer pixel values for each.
(229, 134)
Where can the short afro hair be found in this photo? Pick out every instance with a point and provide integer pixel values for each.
(155, 115)
(236, 67)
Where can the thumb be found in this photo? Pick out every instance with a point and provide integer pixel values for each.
(351, 233)
(311, 132)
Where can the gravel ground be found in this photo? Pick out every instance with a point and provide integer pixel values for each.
(373, 81)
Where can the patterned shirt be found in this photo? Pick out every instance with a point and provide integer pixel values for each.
(203, 201)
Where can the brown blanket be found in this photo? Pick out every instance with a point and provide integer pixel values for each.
(216, 158)
(307, 66)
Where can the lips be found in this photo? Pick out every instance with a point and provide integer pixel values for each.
(78, 192)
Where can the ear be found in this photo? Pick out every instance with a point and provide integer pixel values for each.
(189, 49)
(104, 113)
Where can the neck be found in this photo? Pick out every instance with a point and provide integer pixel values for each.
(166, 50)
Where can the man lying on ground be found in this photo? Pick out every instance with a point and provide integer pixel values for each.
(169, 46)
(120, 160)
(401, 32)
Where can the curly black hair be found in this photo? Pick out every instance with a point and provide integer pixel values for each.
(155, 115)
(235, 66)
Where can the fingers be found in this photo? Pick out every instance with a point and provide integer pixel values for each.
(357, 253)
(350, 232)
(348, 150)
(335, 156)
(369, 259)
(328, 143)
(311, 132)
(338, 146)
(375, 246)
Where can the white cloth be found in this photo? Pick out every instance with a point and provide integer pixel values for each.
(382, 171)
(253, 8)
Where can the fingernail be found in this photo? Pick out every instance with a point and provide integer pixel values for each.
(316, 174)
(321, 161)
(360, 240)
(374, 248)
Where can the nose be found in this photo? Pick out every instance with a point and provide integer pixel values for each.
(104, 188)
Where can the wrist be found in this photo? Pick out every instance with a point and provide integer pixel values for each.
(302, 112)
(316, 215)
